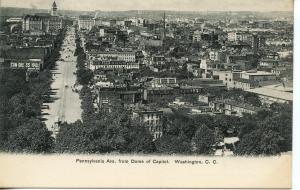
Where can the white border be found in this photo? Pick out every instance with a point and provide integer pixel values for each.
(296, 87)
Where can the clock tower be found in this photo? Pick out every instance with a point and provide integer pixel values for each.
(54, 9)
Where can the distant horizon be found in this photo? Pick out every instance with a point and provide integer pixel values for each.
(156, 5)
(144, 10)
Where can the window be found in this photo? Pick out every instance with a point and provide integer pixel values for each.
(14, 64)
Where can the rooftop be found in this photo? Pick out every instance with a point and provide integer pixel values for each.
(257, 73)
(273, 91)
(159, 88)
(242, 80)
(93, 51)
(238, 104)
(54, 4)
(146, 110)
(85, 17)
(26, 53)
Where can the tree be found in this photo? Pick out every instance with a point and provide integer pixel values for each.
(84, 76)
(179, 123)
(17, 109)
(32, 136)
(113, 138)
(267, 133)
(171, 144)
(71, 138)
(252, 99)
(203, 140)
(12, 82)
(23, 99)
(248, 126)
(139, 140)
(219, 135)
(87, 104)
(282, 125)
(259, 142)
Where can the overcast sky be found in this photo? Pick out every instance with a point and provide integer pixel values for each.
(178, 5)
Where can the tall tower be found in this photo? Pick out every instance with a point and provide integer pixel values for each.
(164, 25)
(54, 9)
(164, 33)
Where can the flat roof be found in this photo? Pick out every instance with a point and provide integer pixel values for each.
(258, 73)
(159, 88)
(238, 104)
(145, 111)
(110, 52)
(272, 92)
(26, 53)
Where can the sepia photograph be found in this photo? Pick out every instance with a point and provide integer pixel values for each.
(111, 88)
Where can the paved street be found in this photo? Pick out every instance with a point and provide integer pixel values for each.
(66, 104)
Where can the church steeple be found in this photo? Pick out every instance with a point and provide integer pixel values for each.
(54, 9)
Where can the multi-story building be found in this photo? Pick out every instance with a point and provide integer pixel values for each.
(231, 36)
(32, 23)
(127, 23)
(29, 59)
(55, 23)
(197, 36)
(230, 107)
(102, 32)
(217, 56)
(131, 99)
(159, 82)
(239, 36)
(98, 21)
(104, 84)
(85, 22)
(158, 60)
(205, 99)
(258, 42)
(112, 55)
(152, 94)
(258, 76)
(207, 67)
(41, 23)
(112, 64)
(244, 79)
(99, 76)
(152, 119)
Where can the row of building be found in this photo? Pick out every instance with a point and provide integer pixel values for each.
(195, 59)
(30, 48)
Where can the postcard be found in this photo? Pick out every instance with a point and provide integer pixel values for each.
(146, 94)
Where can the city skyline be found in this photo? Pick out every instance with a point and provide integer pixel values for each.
(168, 5)
(173, 87)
